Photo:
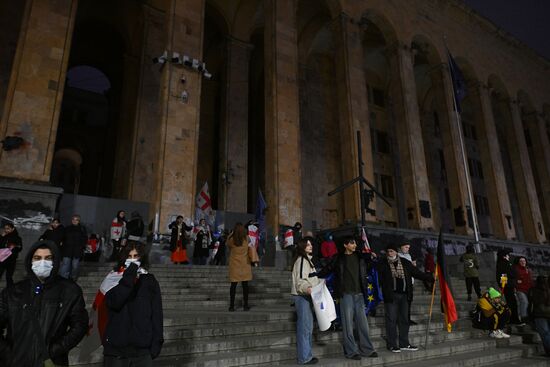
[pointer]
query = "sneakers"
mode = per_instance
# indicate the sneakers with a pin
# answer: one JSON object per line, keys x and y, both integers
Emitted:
{"x": 356, "y": 357}
{"x": 395, "y": 350}
{"x": 497, "y": 334}
{"x": 410, "y": 347}
{"x": 373, "y": 354}
{"x": 503, "y": 334}
{"x": 313, "y": 360}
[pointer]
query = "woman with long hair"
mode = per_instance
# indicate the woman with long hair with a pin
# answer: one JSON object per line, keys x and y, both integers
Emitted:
{"x": 133, "y": 331}
{"x": 302, "y": 283}
{"x": 240, "y": 269}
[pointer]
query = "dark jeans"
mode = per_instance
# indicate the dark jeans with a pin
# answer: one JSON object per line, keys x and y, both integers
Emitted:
{"x": 397, "y": 316}
{"x": 200, "y": 260}
{"x": 543, "y": 328}
{"x": 140, "y": 361}
{"x": 475, "y": 282}
{"x": 9, "y": 267}
{"x": 233, "y": 290}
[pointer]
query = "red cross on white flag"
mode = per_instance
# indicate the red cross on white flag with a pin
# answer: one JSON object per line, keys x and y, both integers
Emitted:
{"x": 203, "y": 201}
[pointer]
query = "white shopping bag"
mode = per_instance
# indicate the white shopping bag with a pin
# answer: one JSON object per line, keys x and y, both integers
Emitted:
{"x": 323, "y": 305}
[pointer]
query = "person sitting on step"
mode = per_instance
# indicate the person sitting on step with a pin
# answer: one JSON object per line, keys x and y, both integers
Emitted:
{"x": 492, "y": 314}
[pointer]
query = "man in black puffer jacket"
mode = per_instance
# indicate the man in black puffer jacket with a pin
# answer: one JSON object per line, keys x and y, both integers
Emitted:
{"x": 44, "y": 315}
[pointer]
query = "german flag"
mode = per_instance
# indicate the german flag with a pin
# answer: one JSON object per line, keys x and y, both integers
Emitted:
{"x": 447, "y": 301}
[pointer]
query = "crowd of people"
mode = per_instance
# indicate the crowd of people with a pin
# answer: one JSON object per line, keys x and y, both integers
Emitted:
{"x": 44, "y": 316}
{"x": 512, "y": 300}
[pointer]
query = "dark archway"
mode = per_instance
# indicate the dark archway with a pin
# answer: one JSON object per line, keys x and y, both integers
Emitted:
{"x": 99, "y": 99}
{"x": 89, "y": 112}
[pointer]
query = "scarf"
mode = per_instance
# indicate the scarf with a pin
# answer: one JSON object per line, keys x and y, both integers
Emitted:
{"x": 396, "y": 271}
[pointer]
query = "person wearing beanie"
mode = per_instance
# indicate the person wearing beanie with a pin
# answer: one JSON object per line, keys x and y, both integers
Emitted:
{"x": 395, "y": 275}
{"x": 471, "y": 273}
{"x": 492, "y": 314}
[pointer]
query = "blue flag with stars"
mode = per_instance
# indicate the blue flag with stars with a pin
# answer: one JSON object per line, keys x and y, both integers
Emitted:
{"x": 372, "y": 293}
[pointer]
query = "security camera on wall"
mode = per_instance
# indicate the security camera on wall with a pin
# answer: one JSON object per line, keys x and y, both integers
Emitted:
{"x": 187, "y": 61}
{"x": 161, "y": 59}
{"x": 176, "y": 58}
{"x": 195, "y": 65}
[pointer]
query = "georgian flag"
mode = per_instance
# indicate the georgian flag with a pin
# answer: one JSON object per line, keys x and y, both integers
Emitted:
{"x": 203, "y": 203}
{"x": 98, "y": 316}
{"x": 366, "y": 244}
{"x": 289, "y": 238}
{"x": 253, "y": 236}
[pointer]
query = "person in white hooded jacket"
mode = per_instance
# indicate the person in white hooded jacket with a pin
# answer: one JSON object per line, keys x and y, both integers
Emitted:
{"x": 302, "y": 284}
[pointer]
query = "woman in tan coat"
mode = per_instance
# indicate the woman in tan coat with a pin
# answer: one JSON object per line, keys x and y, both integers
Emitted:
{"x": 240, "y": 269}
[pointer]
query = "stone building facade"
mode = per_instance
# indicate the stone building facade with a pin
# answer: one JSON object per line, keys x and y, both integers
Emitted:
{"x": 292, "y": 82}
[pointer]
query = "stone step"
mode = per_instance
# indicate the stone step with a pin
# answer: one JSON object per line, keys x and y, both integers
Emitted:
{"x": 325, "y": 344}
{"x": 509, "y": 356}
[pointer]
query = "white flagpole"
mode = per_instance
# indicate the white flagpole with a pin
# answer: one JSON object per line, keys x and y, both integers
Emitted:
{"x": 464, "y": 160}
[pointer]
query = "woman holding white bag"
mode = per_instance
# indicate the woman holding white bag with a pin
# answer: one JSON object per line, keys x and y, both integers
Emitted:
{"x": 302, "y": 284}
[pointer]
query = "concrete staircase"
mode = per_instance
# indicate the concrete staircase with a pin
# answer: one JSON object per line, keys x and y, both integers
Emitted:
{"x": 200, "y": 331}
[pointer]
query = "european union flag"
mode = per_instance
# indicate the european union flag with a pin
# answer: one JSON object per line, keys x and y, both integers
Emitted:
{"x": 459, "y": 83}
{"x": 260, "y": 212}
{"x": 373, "y": 293}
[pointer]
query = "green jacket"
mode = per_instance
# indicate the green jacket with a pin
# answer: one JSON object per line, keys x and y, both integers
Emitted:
{"x": 470, "y": 265}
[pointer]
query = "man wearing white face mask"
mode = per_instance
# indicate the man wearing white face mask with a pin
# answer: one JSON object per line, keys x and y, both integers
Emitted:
{"x": 44, "y": 315}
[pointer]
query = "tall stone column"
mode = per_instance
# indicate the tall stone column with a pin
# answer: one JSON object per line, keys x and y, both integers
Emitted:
{"x": 541, "y": 150}
{"x": 353, "y": 111}
{"x": 414, "y": 173}
{"x": 523, "y": 176}
{"x": 35, "y": 90}
{"x": 179, "y": 122}
{"x": 234, "y": 156}
{"x": 282, "y": 124}
{"x": 144, "y": 162}
{"x": 498, "y": 197}
{"x": 451, "y": 134}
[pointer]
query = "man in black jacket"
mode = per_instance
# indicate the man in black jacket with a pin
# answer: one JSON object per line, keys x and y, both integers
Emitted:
{"x": 55, "y": 233}
{"x": 10, "y": 239}
{"x": 395, "y": 274}
{"x": 44, "y": 315}
{"x": 351, "y": 269}
{"x": 73, "y": 247}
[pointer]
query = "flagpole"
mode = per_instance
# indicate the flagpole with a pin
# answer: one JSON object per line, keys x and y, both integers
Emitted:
{"x": 464, "y": 160}
{"x": 431, "y": 309}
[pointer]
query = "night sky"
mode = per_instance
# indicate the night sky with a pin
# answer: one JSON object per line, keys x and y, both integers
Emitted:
{"x": 526, "y": 20}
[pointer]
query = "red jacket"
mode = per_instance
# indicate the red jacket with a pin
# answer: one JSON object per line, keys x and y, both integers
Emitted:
{"x": 328, "y": 249}
{"x": 429, "y": 264}
{"x": 524, "y": 278}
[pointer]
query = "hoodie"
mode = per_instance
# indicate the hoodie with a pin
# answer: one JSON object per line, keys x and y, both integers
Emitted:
{"x": 44, "y": 320}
